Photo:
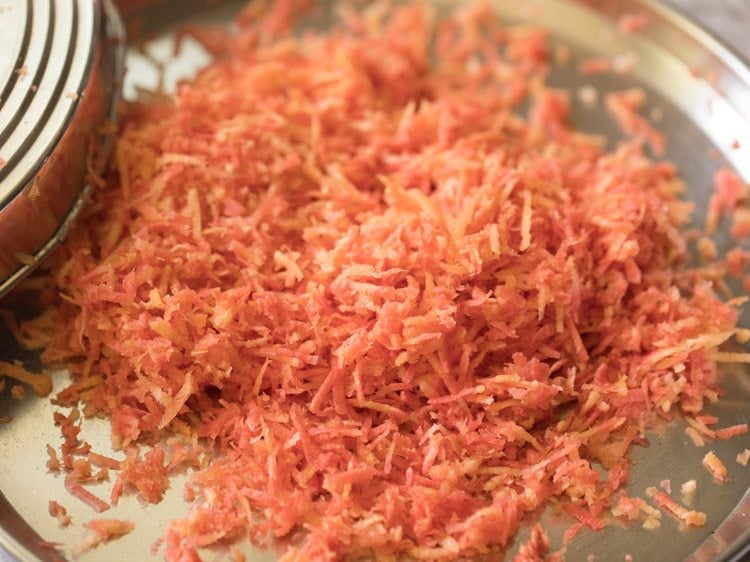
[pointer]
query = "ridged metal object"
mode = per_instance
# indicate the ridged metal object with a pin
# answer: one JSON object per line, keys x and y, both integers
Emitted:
{"x": 61, "y": 65}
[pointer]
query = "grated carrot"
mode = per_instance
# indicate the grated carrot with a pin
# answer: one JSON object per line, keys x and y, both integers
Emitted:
{"x": 78, "y": 491}
{"x": 59, "y": 512}
{"x": 688, "y": 489}
{"x": 743, "y": 457}
{"x": 102, "y": 531}
{"x": 715, "y": 467}
{"x": 689, "y": 517}
{"x": 395, "y": 314}
{"x": 40, "y": 383}
{"x": 624, "y": 108}
{"x": 729, "y": 191}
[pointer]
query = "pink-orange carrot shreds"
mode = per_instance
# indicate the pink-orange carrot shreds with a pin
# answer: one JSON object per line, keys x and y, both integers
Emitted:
{"x": 348, "y": 264}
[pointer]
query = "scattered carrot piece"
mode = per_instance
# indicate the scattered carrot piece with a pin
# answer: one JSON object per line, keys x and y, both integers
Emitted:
{"x": 728, "y": 192}
{"x": 58, "y": 511}
{"x": 535, "y": 548}
{"x": 78, "y": 491}
{"x": 18, "y": 392}
{"x": 730, "y": 432}
{"x": 743, "y": 457}
{"x": 688, "y": 489}
{"x": 102, "y": 531}
{"x": 689, "y": 517}
{"x": 41, "y": 383}
{"x": 624, "y": 108}
{"x": 718, "y": 470}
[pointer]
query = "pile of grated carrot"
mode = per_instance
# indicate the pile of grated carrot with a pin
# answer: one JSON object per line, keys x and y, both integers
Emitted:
{"x": 401, "y": 314}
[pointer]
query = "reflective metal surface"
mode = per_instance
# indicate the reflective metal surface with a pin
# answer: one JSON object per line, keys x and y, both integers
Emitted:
{"x": 699, "y": 92}
{"x": 60, "y": 67}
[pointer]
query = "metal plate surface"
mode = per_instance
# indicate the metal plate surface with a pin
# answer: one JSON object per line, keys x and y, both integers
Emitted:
{"x": 699, "y": 92}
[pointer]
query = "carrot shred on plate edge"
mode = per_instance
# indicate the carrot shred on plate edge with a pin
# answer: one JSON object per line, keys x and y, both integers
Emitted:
{"x": 348, "y": 265}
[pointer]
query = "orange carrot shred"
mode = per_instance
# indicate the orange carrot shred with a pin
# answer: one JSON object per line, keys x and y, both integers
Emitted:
{"x": 396, "y": 311}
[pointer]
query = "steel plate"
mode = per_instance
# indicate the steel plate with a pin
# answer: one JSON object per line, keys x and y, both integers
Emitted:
{"x": 699, "y": 93}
